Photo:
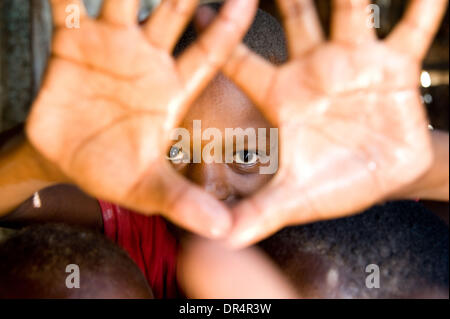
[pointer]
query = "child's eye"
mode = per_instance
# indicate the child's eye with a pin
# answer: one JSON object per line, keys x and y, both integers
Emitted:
{"x": 176, "y": 154}
{"x": 246, "y": 157}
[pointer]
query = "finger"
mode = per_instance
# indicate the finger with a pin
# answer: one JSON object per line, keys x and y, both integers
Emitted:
{"x": 415, "y": 33}
{"x": 351, "y": 22}
{"x": 62, "y": 10}
{"x": 182, "y": 202}
{"x": 249, "y": 71}
{"x": 302, "y": 25}
{"x": 168, "y": 21}
{"x": 192, "y": 208}
{"x": 267, "y": 212}
{"x": 255, "y": 76}
{"x": 120, "y": 12}
{"x": 207, "y": 269}
{"x": 202, "y": 60}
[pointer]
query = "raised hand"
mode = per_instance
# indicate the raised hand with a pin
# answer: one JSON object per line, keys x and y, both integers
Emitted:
{"x": 352, "y": 126}
{"x": 112, "y": 94}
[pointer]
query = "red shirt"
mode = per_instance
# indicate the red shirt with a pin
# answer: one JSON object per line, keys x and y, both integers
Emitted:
{"x": 148, "y": 242}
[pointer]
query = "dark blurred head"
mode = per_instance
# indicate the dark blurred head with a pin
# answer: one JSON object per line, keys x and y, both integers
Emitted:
{"x": 330, "y": 259}
{"x": 42, "y": 261}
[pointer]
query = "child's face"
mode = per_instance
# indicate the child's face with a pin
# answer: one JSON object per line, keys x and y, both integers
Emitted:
{"x": 223, "y": 106}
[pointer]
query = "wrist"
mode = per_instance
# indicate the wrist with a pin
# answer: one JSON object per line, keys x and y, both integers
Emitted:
{"x": 23, "y": 171}
{"x": 434, "y": 183}
{"x": 48, "y": 171}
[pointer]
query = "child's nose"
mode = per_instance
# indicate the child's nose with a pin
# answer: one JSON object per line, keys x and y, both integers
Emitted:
{"x": 218, "y": 189}
{"x": 212, "y": 178}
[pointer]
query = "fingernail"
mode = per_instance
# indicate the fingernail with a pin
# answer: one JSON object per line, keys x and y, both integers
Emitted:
{"x": 242, "y": 238}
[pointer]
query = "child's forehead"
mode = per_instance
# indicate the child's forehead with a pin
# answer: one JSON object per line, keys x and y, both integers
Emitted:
{"x": 223, "y": 105}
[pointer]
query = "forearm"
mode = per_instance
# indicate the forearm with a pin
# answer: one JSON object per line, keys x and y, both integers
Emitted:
{"x": 56, "y": 204}
{"x": 23, "y": 171}
{"x": 433, "y": 185}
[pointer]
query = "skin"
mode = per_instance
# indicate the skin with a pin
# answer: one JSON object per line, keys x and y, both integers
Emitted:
{"x": 99, "y": 287}
{"x": 208, "y": 269}
{"x": 222, "y": 106}
{"x": 113, "y": 92}
{"x": 341, "y": 141}
{"x": 333, "y": 121}
{"x": 23, "y": 171}
{"x": 203, "y": 264}
{"x": 432, "y": 185}
{"x": 351, "y": 106}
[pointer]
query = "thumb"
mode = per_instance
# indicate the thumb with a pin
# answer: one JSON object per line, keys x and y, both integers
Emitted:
{"x": 194, "y": 209}
{"x": 268, "y": 211}
{"x": 182, "y": 202}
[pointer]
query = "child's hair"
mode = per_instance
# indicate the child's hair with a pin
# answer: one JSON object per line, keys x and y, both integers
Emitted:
{"x": 265, "y": 37}
{"x": 408, "y": 243}
{"x": 34, "y": 261}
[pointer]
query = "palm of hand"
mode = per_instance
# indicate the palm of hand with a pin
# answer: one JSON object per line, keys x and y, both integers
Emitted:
{"x": 350, "y": 125}
{"x": 112, "y": 95}
{"x": 108, "y": 128}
